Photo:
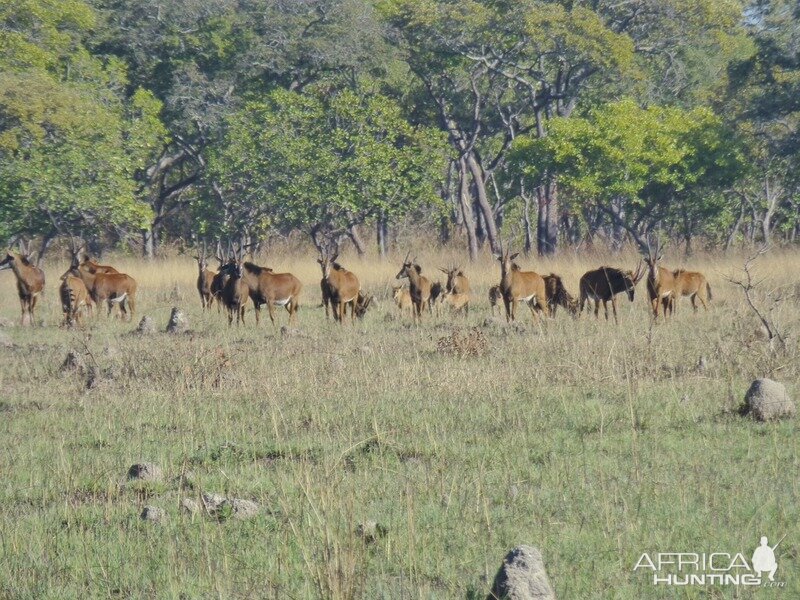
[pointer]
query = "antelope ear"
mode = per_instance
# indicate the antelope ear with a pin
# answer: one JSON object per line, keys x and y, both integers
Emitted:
{"x": 660, "y": 256}
{"x": 334, "y": 257}
{"x": 418, "y": 268}
{"x": 513, "y": 256}
{"x": 319, "y": 260}
{"x": 498, "y": 257}
{"x": 460, "y": 273}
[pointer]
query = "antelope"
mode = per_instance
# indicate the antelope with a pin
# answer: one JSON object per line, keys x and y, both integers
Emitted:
{"x": 693, "y": 284}
{"x": 205, "y": 280}
{"x": 557, "y": 295}
{"x": 111, "y": 287}
{"x": 74, "y": 298}
{"x": 362, "y": 304}
{"x": 604, "y": 284}
{"x": 30, "y": 280}
{"x": 235, "y": 291}
{"x": 517, "y": 285}
{"x": 660, "y": 283}
{"x": 402, "y": 298}
{"x": 341, "y": 287}
{"x": 436, "y": 298}
{"x": 495, "y": 295}
{"x": 268, "y": 287}
{"x": 220, "y": 279}
{"x": 457, "y": 302}
{"x": 93, "y": 266}
{"x": 457, "y": 287}
{"x": 419, "y": 285}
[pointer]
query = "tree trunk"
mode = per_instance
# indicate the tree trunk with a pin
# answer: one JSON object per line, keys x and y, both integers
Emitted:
{"x": 526, "y": 221}
{"x": 382, "y": 230}
{"x": 357, "y": 241}
{"x": 466, "y": 211}
{"x": 148, "y": 243}
{"x": 483, "y": 201}
{"x": 547, "y": 221}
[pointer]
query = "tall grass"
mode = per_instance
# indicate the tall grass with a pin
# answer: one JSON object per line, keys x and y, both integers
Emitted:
{"x": 592, "y": 441}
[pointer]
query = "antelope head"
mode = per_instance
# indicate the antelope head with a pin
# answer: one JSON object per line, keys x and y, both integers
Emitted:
{"x": 8, "y": 261}
{"x": 408, "y": 265}
{"x": 632, "y": 278}
{"x": 326, "y": 262}
{"x": 507, "y": 261}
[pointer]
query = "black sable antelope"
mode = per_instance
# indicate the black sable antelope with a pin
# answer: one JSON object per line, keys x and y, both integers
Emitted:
{"x": 603, "y": 284}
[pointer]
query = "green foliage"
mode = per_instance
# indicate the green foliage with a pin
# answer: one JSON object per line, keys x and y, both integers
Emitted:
{"x": 69, "y": 146}
{"x": 316, "y": 161}
{"x": 657, "y": 160}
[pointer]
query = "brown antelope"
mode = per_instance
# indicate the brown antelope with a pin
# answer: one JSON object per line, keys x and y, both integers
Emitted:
{"x": 660, "y": 283}
{"x": 205, "y": 279}
{"x": 340, "y": 286}
{"x": 693, "y": 284}
{"x": 74, "y": 299}
{"x": 235, "y": 292}
{"x": 520, "y": 286}
{"x": 419, "y": 285}
{"x": 457, "y": 287}
{"x": 603, "y": 285}
{"x": 495, "y": 296}
{"x": 457, "y": 302}
{"x": 30, "y": 280}
{"x": 268, "y": 287}
{"x": 557, "y": 295}
{"x": 94, "y": 267}
{"x": 402, "y": 298}
{"x": 105, "y": 286}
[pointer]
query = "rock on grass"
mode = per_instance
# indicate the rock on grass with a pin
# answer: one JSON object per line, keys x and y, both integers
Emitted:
{"x": 522, "y": 577}
{"x": 145, "y": 472}
{"x": 767, "y": 400}
{"x": 153, "y": 514}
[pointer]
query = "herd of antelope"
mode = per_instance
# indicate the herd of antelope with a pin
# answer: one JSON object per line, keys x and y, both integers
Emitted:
{"x": 237, "y": 283}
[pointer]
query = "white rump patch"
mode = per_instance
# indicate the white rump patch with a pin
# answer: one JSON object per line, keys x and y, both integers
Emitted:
{"x": 282, "y": 302}
{"x": 119, "y": 298}
{"x": 528, "y": 298}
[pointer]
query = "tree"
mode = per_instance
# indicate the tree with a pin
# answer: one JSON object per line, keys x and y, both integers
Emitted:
{"x": 638, "y": 166}
{"x": 325, "y": 163}
{"x": 67, "y": 155}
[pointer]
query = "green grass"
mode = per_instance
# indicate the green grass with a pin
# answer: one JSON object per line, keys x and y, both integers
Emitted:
{"x": 593, "y": 442}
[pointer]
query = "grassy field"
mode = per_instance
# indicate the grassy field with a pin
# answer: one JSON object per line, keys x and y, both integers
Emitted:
{"x": 593, "y": 442}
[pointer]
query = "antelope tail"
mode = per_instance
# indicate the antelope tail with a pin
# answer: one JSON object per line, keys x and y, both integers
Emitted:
{"x": 708, "y": 289}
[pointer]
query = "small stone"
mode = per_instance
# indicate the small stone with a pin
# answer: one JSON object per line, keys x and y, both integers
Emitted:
{"x": 492, "y": 322}
{"x": 153, "y": 514}
{"x": 767, "y": 400}
{"x": 189, "y": 506}
{"x": 211, "y": 502}
{"x": 522, "y": 577}
{"x": 371, "y": 531}
{"x": 146, "y": 326}
{"x": 241, "y": 508}
{"x": 702, "y": 364}
{"x": 291, "y": 332}
{"x": 145, "y": 472}
{"x": 178, "y": 323}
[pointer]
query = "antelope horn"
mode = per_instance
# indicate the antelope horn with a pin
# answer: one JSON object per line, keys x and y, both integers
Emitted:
{"x": 405, "y": 260}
